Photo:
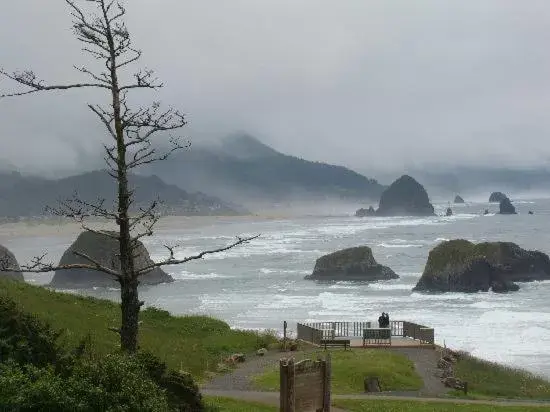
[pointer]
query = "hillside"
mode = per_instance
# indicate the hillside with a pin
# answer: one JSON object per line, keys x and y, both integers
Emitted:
{"x": 241, "y": 168}
{"x": 29, "y": 196}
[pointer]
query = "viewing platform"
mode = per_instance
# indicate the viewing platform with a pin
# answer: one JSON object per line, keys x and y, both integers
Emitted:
{"x": 400, "y": 333}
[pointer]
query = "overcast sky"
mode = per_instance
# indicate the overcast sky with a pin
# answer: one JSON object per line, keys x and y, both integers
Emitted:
{"x": 370, "y": 84}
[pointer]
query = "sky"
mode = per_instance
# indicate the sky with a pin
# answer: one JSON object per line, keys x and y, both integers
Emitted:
{"x": 374, "y": 85}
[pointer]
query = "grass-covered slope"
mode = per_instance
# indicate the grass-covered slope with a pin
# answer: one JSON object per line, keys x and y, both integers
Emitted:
{"x": 492, "y": 380}
{"x": 350, "y": 367}
{"x": 191, "y": 343}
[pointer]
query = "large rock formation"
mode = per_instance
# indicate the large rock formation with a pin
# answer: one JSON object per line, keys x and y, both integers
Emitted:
{"x": 103, "y": 249}
{"x": 506, "y": 207}
{"x": 497, "y": 197}
{"x": 356, "y": 263}
{"x": 405, "y": 197}
{"x": 8, "y": 261}
{"x": 458, "y": 199}
{"x": 462, "y": 266}
{"x": 365, "y": 212}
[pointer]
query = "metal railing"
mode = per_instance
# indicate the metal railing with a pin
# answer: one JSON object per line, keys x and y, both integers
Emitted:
{"x": 314, "y": 332}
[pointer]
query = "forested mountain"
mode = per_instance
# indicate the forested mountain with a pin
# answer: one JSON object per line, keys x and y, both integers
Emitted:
{"x": 29, "y": 196}
{"x": 241, "y": 168}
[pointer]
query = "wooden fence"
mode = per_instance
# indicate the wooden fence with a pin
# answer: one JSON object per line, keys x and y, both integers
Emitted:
{"x": 419, "y": 332}
{"x": 309, "y": 334}
{"x": 305, "y": 385}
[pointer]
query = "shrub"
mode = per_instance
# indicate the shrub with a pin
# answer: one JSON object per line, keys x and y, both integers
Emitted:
{"x": 183, "y": 393}
{"x": 24, "y": 338}
{"x": 112, "y": 383}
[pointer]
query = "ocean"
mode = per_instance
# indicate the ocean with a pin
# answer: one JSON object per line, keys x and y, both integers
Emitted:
{"x": 259, "y": 285}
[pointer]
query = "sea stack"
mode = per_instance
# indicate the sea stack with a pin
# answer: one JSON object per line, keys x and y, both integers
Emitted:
{"x": 506, "y": 207}
{"x": 8, "y": 261}
{"x": 405, "y": 197}
{"x": 104, "y": 249}
{"x": 458, "y": 199}
{"x": 352, "y": 264}
{"x": 462, "y": 266}
{"x": 365, "y": 212}
{"x": 497, "y": 197}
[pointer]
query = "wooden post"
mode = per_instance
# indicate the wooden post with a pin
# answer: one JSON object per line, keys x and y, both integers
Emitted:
{"x": 284, "y": 335}
{"x": 465, "y": 388}
{"x": 286, "y": 393}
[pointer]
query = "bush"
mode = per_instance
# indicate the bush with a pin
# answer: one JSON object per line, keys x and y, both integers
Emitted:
{"x": 24, "y": 338}
{"x": 183, "y": 393}
{"x": 113, "y": 383}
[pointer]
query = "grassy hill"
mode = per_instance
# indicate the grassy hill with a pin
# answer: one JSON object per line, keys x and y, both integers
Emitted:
{"x": 194, "y": 344}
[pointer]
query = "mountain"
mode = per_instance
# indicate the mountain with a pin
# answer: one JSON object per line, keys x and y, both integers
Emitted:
{"x": 242, "y": 169}
{"x": 29, "y": 196}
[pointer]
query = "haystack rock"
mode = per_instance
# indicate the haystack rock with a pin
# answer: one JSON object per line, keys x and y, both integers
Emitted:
{"x": 365, "y": 212}
{"x": 8, "y": 261}
{"x": 405, "y": 197}
{"x": 103, "y": 249}
{"x": 506, "y": 207}
{"x": 353, "y": 264}
{"x": 458, "y": 199}
{"x": 497, "y": 197}
{"x": 462, "y": 266}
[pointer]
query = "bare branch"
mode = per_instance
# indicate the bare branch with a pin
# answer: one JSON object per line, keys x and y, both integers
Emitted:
{"x": 171, "y": 260}
{"x": 29, "y": 79}
{"x": 38, "y": 265}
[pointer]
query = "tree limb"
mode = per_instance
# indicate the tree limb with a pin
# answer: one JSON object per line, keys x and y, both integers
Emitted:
{"x": 173, "y": 261}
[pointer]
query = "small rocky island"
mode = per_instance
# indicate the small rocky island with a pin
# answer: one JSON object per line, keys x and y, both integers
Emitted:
{"x": 506, "y": 207}
{"x": 352, "y": 264}
{"x": 462, "y": 266}
{"x": 365, "y": 212}
{"x": 458, "y": 199}
{"x": 104, "y": 249}
{"x": 8, "y": 261}
{"x": 404, "y": 197}
{"x": 497, "y": 197}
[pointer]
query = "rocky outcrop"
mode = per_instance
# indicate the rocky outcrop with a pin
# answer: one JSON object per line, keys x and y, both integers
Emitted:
{"x": 353, "y": 264}
{"x": 449, "y": 212}
{"x": 458, "y": 199}
{"x": 8, "y": 261}
{"x": 506, "y": 207}
{"x": 497, "y": 197}
{"x": 462, "y": 266}
{"x": 365, "y": 212}
{"x": 103, "y": 249}
{"x": 405, "y": 197}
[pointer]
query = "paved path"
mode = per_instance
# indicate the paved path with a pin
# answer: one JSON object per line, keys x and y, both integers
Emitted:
{"x": 272, "y": 398}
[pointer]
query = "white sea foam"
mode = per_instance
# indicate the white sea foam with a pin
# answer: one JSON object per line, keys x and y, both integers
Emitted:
{"x": 185, "y": 275}
{"x": 403, "y": 245}
{"x": 390, "y": 286}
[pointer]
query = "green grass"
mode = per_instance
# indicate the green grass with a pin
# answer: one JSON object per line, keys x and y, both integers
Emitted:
{"x": 191, "y": 343}
{"x": 350, "y": 367}
{"x": 234, "y": 405}
{"x": 419, "y": 406}
{"x": 491, "y": 380}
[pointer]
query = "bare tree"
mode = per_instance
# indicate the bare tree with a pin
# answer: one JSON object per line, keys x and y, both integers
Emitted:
{"x": 105, "y": 37}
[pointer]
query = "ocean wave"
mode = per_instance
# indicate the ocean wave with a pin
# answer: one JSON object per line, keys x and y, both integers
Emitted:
{"x": 404, "y": 245}
{"x": 267, "y": 271}
{"x": 390, "y": 286}
{"x": 184, "y": 275}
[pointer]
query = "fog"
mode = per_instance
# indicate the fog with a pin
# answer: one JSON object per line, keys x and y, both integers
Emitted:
{"x": 375, "y": 85}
